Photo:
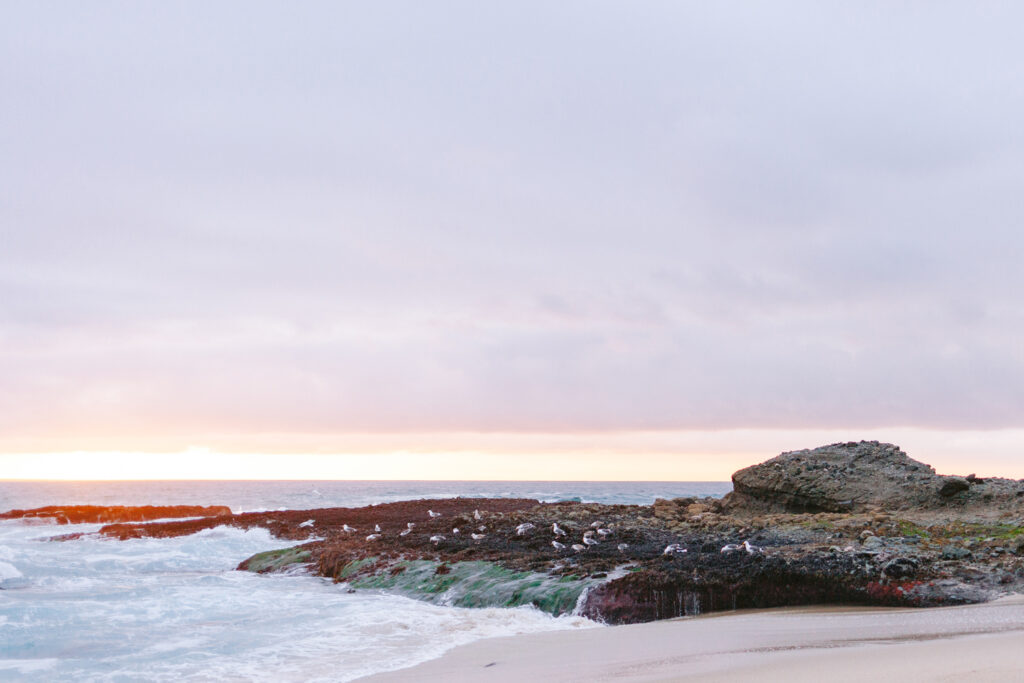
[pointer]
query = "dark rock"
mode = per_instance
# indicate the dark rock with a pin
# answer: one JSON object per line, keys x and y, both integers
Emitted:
{"x": 952, "y": 486}
{"x": 955, "y": 552}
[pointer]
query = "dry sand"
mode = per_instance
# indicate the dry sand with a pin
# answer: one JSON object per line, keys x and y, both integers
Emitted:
{"x": 973, "y": 643}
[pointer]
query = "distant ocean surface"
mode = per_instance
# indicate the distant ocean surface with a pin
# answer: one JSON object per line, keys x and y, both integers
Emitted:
{"x": 175, "y": 609}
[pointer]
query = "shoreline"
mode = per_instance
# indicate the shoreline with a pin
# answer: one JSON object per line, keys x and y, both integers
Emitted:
{"x": 788, "y": 644}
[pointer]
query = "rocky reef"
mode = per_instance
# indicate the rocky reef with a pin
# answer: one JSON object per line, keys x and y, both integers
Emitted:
{"x": 853, "y": 523}
{"x": 99, "y": 514}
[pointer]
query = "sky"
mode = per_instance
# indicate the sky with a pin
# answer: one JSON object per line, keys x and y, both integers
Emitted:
{"x": 523, "y": 240}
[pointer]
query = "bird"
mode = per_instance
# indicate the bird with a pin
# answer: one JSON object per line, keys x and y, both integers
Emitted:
{"x": 730, "y": 548}
{"x": 578, "y": 548}
{"x": 482, "y": 527}
{"x": 406, "y": 532}
{"x": 622, "y": 547}
{"x": 477, "y": 537}
{"x": 376, "y": 527}
{"x": 347, "y": 529}
{"x": 410, "y": 524}
{"x": 557, "y": 546}
{"x": 433, "y": 514}
{"x": 604, "y": 532}
{"x": 596, "y": 525}
{"x": 308, "y": 522}
{"x": 523, "y": 528}
{"x": 588, "y": 533}
{"x": 455, "y": 531}
{"x": 436, "y": 539}
{"x": 373, "y": 537}
{"x": 587, "y": 540}
{"x": 477, "y": 516}
{"x": 557, "y": 530}
{"x": 673, "y": 548}
{"x": 752, "y": 549}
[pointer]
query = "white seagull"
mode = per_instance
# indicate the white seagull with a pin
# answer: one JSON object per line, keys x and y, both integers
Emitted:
{"x": 376, "y": 527}
{"x": 373, "y": 537}
{"x": 436, "y": 539}
{"x": 557, "y": 546}
{"x": 731, "y": 548}
{"x": 406, "y": 532}
{"x": 596, "y": 525}
{"x": 587, "y": 540}
{"x": 752, "y": 549}
{"x": 433, "y": 514}
{"x": 523, "y": 528}
{"x": 477, "y": 516}
{"x": 673, "y": 548}
{"x": 604, "y": 532}
{"x": 308, "y": 522}
{"x": 578, "y": 548}
{"x": 477, "y": 537}
{"x": 347, "y": 529}
{"x": 455, "y": 531}
{"x": 622, "y": 547}
{"x": 557, "y": 530}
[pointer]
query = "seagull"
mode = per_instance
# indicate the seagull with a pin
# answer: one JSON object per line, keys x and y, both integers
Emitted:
{"x": 622, "y": 547}
{"x": 673, "y": 548}
{"x": 410, "y": 524}
{"x": 436, "y": 539}
{"x": 523, "y": 528}
{"x": 373, "y": 537}
{"x": 587, "y": 540}
{"x": 595, "y": 525}
{"x": 557, "y": 530}
{"x": 557, "y": 546}
{"x": 477, "y": 516}
{"x": 433, "y": 514}
{"x": 406, "y": 532}
{"x": 347, "y": 529}
{"x": 482, "y": 527}
{"x": 588, "y": 534}
{"x": 308, "y": 522}
{"x": 477, "y": 537}
{"x": 455, "y": 531}
{"x": 752, "y": 549}
{"x": 604, "y": 532}
{"x": 376, "y": 527}
{"x": 578, "y": 548}
{"x": 731, "y": 548}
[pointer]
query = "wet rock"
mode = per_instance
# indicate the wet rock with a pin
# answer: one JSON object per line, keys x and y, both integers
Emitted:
{"x": 98, "y": 514}
{"x": 955, "y": 552}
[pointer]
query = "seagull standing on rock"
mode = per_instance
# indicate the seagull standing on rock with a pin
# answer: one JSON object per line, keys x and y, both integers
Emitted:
{"x": 578, "y": 548}
{"x": 433, "y": 514}
{"x": 622, "y": 547}
{"x": 752, "y": 549}
{"x": 673, "y": 548}
{"x": 373, "y": 537}
{"x": 590, "y": 540}
{"x": 730, "y": 548}
{"x": 347, "y": 529}
{"x": 477, "y": 516}
{"x": 523, "y": 528}
{"x": 376, "y": 527}
{"x": 557, "y": 546}
{"x": 477, "y": 537}
{"x": 436, "y": 539}
{"x": 604, "y": 532}
{"x": 557, "y": 530}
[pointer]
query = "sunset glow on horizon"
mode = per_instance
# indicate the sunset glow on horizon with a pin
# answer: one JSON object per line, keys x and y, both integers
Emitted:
{"x": 651, "y": 456}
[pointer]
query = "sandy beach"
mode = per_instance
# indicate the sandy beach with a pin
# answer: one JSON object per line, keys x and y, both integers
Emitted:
{"x": 976, "y": 643}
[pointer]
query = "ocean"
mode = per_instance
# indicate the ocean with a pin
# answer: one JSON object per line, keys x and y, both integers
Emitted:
{"x": 175, "y": 608}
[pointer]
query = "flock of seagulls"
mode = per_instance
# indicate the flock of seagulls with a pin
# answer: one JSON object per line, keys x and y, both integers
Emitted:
{"x": 597, "y": 530}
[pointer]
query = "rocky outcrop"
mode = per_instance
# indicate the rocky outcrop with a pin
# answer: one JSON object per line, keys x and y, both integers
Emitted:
{"x": 858, "y": 523}
{"x": 98, "y": 514}
{"x": 859, "y": 476}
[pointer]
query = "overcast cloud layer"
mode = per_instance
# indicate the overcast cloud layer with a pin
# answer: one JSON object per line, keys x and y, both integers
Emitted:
{"x": 332, "y": 217}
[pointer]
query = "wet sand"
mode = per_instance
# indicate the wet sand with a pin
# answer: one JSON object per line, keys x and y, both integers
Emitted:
{"x": 976, "y": 643}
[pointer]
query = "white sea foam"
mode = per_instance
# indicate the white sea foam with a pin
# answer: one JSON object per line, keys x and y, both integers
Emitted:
{"x": 175, "y": 609}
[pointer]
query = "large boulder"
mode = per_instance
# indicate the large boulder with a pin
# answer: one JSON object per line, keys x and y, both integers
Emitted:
{"x": 842, "y": 477}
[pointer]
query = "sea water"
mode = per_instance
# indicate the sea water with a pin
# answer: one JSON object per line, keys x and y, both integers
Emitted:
{"x": 176, "y": 609}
